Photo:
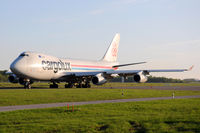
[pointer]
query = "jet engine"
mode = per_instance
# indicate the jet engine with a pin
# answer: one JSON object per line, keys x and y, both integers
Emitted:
{"x": 99, "y": 79}
{"x": 13, "y": 78}
{"x": 21, "y": 81}
{"x": 140, "y": 78}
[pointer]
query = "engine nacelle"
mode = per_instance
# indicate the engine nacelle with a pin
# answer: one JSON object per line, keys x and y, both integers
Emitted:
{"x": 21, "y": 81}
{"x": 13, "y": 78}
{"x": 140, "y": 78}
{"x": 99, "y": 79}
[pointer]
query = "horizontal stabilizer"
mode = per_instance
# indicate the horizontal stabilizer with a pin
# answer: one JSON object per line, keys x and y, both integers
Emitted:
{"x": 128, "y": 64}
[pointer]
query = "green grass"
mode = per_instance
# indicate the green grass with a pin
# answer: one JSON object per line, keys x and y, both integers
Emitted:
{"x": 37, "y": 96}
{"x": 176, "y": 115}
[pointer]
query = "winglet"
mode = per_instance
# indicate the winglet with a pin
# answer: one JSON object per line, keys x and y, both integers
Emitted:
{"x": 191, "y": 68}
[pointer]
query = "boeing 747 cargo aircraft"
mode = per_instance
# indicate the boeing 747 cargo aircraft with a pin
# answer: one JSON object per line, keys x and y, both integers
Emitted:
{"x": 31, "y": 66}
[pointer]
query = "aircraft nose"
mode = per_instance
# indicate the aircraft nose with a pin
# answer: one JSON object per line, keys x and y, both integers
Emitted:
{"x": 17, "y": 67}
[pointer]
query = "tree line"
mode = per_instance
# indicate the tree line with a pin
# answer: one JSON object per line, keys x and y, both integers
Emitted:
{"x": 3, "y": 76}
{"x": 152, "y": 79}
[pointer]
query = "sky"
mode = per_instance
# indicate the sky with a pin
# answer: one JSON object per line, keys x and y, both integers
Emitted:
{"x": 164, "y": 33}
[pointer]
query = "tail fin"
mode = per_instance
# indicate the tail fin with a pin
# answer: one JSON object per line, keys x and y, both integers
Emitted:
{"x": 112, "y": 51}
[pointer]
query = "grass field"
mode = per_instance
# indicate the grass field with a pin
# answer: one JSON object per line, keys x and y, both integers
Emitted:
{"x": 176, "y": 115}
{"x": 22, "y": 96}
{"x": 36, "y": 96}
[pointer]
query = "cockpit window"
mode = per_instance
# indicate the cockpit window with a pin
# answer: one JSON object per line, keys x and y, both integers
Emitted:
{"x": 23, "y": 54}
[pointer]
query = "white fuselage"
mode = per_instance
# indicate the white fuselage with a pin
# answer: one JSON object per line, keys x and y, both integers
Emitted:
{"x": 39, "y": 66}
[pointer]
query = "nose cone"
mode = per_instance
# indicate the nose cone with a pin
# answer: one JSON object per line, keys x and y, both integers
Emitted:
{"x": 18, "y": 67}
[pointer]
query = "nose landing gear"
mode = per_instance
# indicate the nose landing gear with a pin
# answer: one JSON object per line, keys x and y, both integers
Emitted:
{"x": 27, "y": 85}
{"x": 26, "y": 82}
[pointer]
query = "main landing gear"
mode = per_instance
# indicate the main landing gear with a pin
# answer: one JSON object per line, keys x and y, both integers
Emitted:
{"x": 71, "y": 85}
{"x": 78, "y": 85}
{"x": 26, "y": 82}
{"x": 83, "y": 85}
{"x": 54, "y": 85}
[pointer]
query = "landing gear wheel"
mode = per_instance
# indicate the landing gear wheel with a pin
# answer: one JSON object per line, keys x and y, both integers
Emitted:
{"x": 80, "y": 85}
{"x": 54, "y": 85}
{"x": 87, "y": 85}
{"x": 27, "y": 85}
{"x": 69, "y": 85}
{"x": 84, "y": 85}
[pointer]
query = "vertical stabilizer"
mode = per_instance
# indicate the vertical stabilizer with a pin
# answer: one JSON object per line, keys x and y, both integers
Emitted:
{"x": 112, "y": 51}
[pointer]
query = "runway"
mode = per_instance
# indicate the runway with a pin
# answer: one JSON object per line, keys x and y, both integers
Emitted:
{"x": 189, "y": 88}
{"x": 51, "y": 105}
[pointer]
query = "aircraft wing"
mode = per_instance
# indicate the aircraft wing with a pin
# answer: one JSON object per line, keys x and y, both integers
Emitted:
{"x": 145, "y": 72}
{"x": 125, "y": 72}
{"x": 81, "y": 74}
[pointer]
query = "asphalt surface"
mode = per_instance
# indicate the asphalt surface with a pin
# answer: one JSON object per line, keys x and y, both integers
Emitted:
{"x": 191, "y": 88}
{"x": 51, "y": 105}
